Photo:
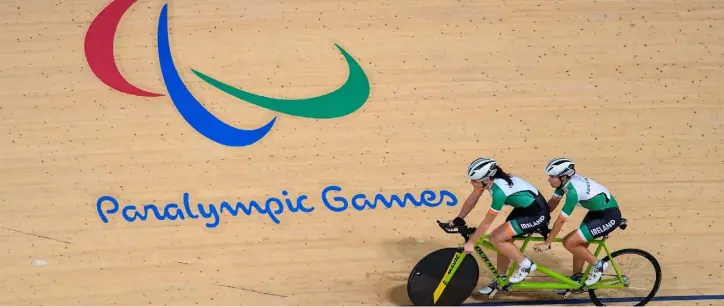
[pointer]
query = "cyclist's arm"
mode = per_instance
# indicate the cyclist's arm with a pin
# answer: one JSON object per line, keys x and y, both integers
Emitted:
{"x": 571, "y": 201}
{"x": 470, "y": 202}
{"x": 555, "y": 199}
{"x": 555, "y": 230}
{"x": 553, "y": 203}
{"x": 483, "y": 227}
{"x": 495, "y": 207}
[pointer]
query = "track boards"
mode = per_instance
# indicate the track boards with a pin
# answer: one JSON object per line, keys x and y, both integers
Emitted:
{"x": 427, "y": 275}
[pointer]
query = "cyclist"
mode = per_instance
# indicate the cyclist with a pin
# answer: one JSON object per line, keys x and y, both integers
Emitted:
{"x": 530, "y": 212}
{"x": 602, "y": 218}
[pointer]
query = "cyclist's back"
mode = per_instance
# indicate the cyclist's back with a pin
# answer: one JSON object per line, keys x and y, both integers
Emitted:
{"x": 586, "y": 192}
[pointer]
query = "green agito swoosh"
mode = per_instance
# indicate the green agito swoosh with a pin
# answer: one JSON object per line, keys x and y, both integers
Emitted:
{"x": 345, "y": 100}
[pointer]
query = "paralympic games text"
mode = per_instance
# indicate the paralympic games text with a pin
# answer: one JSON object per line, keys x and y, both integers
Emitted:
{"x": 272, "y": 207}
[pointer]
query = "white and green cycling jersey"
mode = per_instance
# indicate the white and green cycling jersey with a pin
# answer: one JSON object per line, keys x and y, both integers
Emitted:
{"x": 520, "y": 195}
{"x": 589, "y": 193}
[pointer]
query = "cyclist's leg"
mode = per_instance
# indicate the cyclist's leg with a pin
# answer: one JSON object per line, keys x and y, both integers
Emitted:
{"x": 502, "y": 237}
{"x": 503, "y": 261}
{"x": 603, "y": 223}
{"x": 575, "y": 244}
{"x": 578, "y": 262}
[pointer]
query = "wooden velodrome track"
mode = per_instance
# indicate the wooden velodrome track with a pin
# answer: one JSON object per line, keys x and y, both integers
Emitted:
{"x": 632, "y": 90}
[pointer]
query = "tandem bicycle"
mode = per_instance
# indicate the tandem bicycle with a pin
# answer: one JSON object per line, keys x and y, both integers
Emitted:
{"x": 448, "y": 276}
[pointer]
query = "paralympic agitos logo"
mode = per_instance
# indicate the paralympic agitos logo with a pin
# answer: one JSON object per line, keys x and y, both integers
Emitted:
{"x": 99, "y": 53}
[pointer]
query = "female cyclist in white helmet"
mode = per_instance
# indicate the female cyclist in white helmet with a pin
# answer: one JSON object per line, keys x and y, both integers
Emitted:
{"x": 530, "y": 212}
{"x": 602, "y": 218}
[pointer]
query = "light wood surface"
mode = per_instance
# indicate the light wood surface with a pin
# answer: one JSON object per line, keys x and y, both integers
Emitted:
{"x": 632, "y": 90}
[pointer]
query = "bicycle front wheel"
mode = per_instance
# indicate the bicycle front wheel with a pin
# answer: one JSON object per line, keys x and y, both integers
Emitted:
{"x": 428, "y": 273}
{"x": 641, "y": 274}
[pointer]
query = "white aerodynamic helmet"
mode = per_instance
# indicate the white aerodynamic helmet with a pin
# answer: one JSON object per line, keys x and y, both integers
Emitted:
{"x": 561, "y": 167}
{"x": 482, "y": 168}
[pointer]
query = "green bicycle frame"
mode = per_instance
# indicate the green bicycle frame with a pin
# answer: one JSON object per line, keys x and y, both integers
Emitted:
{"x": 564, "y": 282}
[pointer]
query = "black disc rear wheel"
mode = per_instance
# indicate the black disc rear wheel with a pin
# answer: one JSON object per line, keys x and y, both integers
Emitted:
{"x": 427, "y": 274}
{"x": 642, "y": 276}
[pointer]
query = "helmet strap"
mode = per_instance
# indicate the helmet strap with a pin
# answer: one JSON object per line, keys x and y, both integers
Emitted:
{"x": 563, "y": 183}
{"x": 485, "y": 186}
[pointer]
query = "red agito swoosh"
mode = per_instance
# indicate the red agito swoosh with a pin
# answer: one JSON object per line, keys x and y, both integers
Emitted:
{"x": 99, "y": 42}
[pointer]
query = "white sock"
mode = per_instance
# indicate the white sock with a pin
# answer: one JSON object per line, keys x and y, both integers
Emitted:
{"x": 525, "y": 263}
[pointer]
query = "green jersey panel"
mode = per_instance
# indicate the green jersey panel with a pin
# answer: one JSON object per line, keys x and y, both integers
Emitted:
{"x": 520, "y": 195}
{"x": 586, "y": 192}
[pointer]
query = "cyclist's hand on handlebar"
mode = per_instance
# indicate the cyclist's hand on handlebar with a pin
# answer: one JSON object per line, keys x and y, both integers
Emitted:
{"x": 458, "y": 221}
{"x": 542, "y": 247}
{"x": 468, "y": 247}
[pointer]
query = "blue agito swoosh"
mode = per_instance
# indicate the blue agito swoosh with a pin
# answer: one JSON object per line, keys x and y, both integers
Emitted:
{"x": 190, "y": 108}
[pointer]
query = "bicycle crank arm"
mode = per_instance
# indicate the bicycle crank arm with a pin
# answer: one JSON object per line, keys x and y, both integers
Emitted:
{"x": 493, "y": 293}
